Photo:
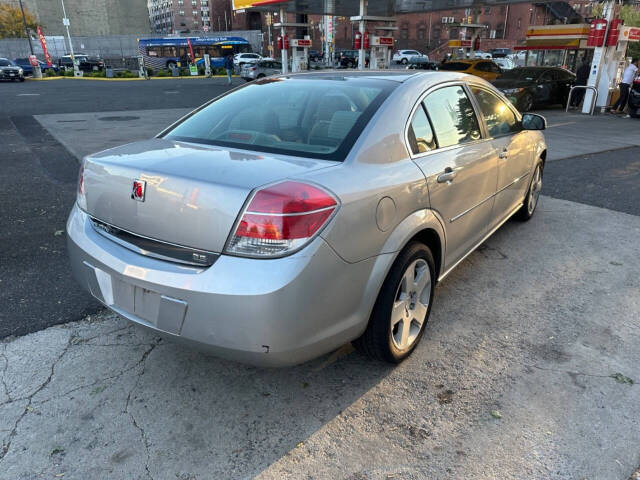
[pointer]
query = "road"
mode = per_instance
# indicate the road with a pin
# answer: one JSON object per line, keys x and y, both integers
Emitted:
{"x": 37, "y": 188}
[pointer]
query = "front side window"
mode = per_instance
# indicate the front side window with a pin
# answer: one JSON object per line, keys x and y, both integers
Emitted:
{"x": 452, "y": 116}
{"x": 317, "y": 118}
{"x": 420, "y": 134}
{"x": 499, "y": 117}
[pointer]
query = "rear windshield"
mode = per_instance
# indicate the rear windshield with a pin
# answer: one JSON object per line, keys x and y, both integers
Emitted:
{"x": 312, "y": 117}
{"x": 454, "y": 66}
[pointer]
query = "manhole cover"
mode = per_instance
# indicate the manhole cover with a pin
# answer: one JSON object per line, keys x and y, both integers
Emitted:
{"x": 118, "y": 118}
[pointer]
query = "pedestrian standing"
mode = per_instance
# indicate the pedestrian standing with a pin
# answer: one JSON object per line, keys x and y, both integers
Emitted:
{"x": 582, "y": 76}
{"x": 627, "y": 80}
{"x": 228, "y": 64}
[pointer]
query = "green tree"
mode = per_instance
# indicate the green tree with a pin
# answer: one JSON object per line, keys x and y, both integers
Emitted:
{"x": 11, "y": 24}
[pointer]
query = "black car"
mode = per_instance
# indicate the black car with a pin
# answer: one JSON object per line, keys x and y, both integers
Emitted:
{"x": 527, "y": 87}
{"x": 421, "y": 63}
{"x": 85, "y": 63}
{"x": 500, "y": 52}
{"x": 10, "y": 71}
{"x": 349, "y": 58}
{"x": 315, "y": 55}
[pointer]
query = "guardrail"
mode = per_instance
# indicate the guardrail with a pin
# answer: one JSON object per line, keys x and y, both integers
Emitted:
{"x": 594, "y": 99}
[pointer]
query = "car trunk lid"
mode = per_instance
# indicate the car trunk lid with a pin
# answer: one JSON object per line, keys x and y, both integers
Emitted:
{"x": 192, "y": 193}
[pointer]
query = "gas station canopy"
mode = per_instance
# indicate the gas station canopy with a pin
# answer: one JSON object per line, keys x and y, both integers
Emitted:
{"x": 346, "y": 8}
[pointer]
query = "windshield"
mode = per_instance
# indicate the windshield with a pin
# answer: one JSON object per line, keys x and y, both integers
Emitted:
{"x": 312, "y": 117}
{"x": 5, "y": 63}
{"x": 528, "y": 74}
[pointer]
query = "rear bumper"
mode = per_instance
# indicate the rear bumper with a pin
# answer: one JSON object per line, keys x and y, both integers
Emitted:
{"x": 265, "y": 312}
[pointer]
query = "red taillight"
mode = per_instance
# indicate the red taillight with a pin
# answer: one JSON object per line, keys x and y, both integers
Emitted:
{"x": 253, "y": 69}
{"x": 281, "y": 219}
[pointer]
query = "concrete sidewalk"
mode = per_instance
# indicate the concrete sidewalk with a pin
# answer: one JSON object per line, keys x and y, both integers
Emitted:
{"x": 568, "y": 135}
{"x": 525, "y": 371}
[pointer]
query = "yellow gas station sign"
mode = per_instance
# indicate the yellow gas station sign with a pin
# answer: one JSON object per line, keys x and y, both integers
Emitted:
{"x": 242, "y": 4}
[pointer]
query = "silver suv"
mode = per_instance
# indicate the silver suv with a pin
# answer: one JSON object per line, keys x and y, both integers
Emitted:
{"x": 10, "y": 71}
{"x": 260, "y": 69}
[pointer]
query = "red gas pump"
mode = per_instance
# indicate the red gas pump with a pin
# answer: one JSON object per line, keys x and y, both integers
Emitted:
{"x": 357, "y": 41}
{"x": 365, "y": 41}
{"x": 285, "y": 42}
{"x": 476, "y": 44}
{"x": 596, "y": 32}
{"x": 279, "y": 42}
{"x": 614, "y": 32}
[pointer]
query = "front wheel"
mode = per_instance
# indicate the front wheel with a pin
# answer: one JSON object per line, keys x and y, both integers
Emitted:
{"x": 171, "y": 65}
{"x": 533, "y": 194}
{"x": 404, "y": 61}
{"x": 22, "y": 79}
{"x": 402, "y": 308}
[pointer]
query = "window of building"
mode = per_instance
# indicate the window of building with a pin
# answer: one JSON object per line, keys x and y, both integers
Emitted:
{"x": 487, "y": 10}
{"x": 454, "y": 34}
{"x": 421, "y": 32}
{"x": 519, "y": 23}
{"x": 181, "y": 12}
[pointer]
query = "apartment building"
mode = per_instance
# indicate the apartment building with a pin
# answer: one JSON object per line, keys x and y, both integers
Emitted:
{"x": 189, "y": 16}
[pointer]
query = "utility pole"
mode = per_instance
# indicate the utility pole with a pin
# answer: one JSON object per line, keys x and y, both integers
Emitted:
{"x": 37, "y": 73}
{"x": 65, "y": 22}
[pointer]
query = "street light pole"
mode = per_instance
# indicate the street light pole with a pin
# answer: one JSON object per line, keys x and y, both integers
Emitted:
{"x": 26, "y": 29}
{"x": 65, "y": 22}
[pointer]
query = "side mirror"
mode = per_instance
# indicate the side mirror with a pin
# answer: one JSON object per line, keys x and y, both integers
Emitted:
{"x": 533, "y": 121}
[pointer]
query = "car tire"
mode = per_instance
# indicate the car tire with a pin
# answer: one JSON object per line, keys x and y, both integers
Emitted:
{"x": 394, "y": 329}
{"x": 22, "y": 79}
{"x": 526, "y": 102}
{"x": 533, "y": 195}
{"x": 171, "y": 65}
{"x": 404, "y": 61}
{"x": 261, "y": 75}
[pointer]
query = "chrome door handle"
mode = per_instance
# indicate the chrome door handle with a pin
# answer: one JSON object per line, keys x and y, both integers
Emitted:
{"x": 447, "y": 176}
{"x": 503, "y": 154}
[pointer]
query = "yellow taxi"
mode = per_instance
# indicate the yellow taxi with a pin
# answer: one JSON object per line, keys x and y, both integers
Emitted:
{"x": 483, "y": 68}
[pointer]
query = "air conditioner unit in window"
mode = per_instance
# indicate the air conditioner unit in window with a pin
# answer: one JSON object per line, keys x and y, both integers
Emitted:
{"x": 492, "y": 34}
{"x": 445, "y": 19}
{"x": 452, "y": 20}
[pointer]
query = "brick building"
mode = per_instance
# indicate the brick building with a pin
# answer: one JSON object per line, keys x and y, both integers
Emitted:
{"x": 189, "y": 16}
{"x": 506, "y": 25}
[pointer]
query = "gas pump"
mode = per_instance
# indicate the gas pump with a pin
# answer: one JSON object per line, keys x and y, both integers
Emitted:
{"x": 300, "y": 54}
{"x": 380, "y": 52}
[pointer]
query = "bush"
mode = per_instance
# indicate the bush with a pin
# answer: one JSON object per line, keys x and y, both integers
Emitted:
{"x": 68, "y": 73}
{"x": 200, "y": 70}
{"x": 184, "y": 72}
{"x": 149, "y": 72}
{"x": 163, "y": 73}
{"x": 125, "y": 74}
{"x": 51, "y": 73}
{"x": 220, "y": 71}
{"x": 96, "y": 74}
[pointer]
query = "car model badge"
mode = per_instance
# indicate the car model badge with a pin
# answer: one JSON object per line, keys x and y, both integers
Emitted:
{"x": 138, "y": 189}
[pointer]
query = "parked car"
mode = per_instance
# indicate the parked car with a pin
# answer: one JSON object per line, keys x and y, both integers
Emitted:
{"x": 505, "y": 63}
{"x": 527, "y": 87}
{"x": 486, "y": 69}
{"x": 10, "y": 71}
{"x": 242, "y": 58}
{"x": 421, "y": 63}
{"x": 500, "y": 52}
{"x": 286, "y": 218}
{"x": 261, "y": 69}
{"x": 26, "y": 66}
{"x": 350, "y": 58}
{"x": 315, "y": 55}
{"x": 481, "y": 54}
{"x": 404, "y": 56}
{"x": 85, "y": 63}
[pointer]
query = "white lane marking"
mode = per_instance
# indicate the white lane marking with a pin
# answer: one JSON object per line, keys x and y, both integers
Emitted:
{"x": 28, "y": 94}
{"x": 560, "y": 124}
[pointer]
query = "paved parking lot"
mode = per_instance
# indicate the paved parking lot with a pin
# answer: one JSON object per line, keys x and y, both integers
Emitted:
{"x": 525, "y": 370}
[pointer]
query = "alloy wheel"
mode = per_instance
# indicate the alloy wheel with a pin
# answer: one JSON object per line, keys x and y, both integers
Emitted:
{"x": 534, "y": 190}
{"x": 411, "y": 304}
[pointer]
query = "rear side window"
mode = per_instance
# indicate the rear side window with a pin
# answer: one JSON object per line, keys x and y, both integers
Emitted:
{"x": 420, "y": 134}
{"x": 452, "y": 115}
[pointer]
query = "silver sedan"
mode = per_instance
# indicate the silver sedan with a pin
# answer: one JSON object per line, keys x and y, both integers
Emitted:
{"x": 295, "y": 214}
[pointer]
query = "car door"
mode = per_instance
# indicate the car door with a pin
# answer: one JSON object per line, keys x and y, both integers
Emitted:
{"x": 446, "y": 142}
{"x": 544, "y": 88}
{"x": 276, "y": 68}
{"x": 511, "y": 148}
{"x": 563, "y": 83}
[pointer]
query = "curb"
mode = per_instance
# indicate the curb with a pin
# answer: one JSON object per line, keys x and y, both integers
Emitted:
{"x": 135, "y": 79}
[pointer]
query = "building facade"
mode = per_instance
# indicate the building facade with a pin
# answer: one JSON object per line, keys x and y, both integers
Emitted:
{"x": 430, "y": 31}
{"x": 189, "y": 16}
{"x": 98, "y": 17}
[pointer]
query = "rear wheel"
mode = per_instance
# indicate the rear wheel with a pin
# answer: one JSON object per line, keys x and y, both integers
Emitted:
{"x": 404, "y": 61}
{"x": 533, "y": 194}
{"x": 171, "y": 65}
{"x": 402, "y": 308}
{"x": 262, "y": 75}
